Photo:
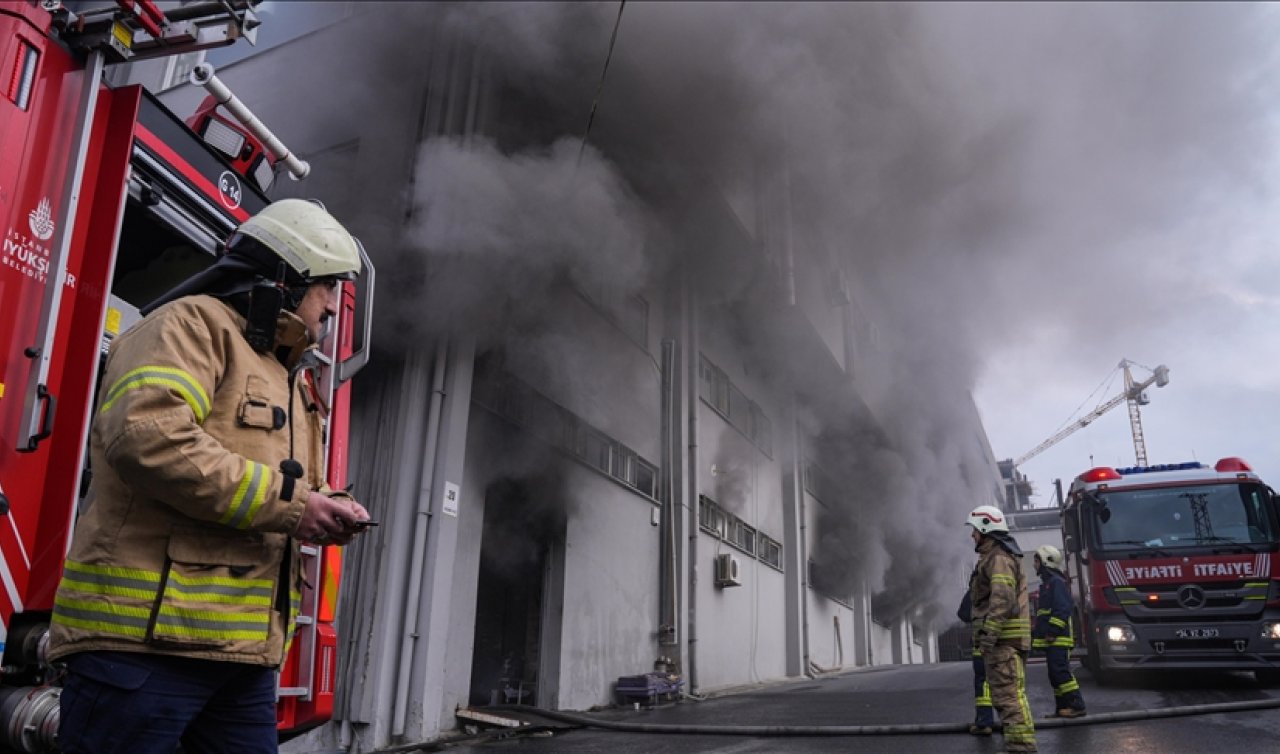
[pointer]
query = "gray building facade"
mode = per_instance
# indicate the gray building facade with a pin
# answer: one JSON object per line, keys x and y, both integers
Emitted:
{"x": 583, "y": 462}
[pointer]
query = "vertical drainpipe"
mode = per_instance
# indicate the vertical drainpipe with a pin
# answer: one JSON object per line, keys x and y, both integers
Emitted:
{"x": 691, "y": 390}
{"x": 368, "y": 703}
{"x": 417, "y": 555}
{"x": 803, "y": 541}
{"x": 667, "y": 571}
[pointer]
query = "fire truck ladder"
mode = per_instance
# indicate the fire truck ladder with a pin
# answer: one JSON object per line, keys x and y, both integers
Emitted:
{"x": 1134, "y": 394}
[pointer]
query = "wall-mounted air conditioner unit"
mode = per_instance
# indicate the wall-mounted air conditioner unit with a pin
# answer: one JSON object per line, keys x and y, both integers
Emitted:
{"x": 727, "y": 571}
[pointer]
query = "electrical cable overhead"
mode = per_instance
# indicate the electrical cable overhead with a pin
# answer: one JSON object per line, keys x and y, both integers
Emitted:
{"x": 1102, "y": 387}
{"x": 595, "y": 103}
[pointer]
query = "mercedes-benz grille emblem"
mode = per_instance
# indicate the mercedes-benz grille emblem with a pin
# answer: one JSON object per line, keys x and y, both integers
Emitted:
{"x": 1191, "y": 597}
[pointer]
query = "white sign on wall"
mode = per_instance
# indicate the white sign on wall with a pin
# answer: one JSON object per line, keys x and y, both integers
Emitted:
{"x": 450, "y": 503}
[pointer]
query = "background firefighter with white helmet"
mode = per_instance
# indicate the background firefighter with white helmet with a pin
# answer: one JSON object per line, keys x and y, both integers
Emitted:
{"x": 1002, "y": 628}
{"x": 182, "y": 583}
{"x": 1052, "y": 631}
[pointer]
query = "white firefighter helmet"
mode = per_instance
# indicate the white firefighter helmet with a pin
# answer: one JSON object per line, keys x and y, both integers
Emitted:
{"x": 306, "y": 237}
{"x": 987, "y": 518}
{"x": 1050, "y": 556}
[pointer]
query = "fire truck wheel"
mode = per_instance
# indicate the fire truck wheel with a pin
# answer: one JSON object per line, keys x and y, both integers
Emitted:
{"x": 1093, "y": 664}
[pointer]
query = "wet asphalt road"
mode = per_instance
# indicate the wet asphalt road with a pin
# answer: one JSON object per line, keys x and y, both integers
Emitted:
{"x": 935, "y": 694}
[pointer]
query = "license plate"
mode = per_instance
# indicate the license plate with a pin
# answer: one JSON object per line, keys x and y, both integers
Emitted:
{"x": 1196, "y": 633}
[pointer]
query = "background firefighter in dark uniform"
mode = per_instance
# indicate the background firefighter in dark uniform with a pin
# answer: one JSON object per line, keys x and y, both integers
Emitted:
{"x": 1052, "y": 631}
{"x": 1001, "y": 623}
{"x": 984, "y": 718}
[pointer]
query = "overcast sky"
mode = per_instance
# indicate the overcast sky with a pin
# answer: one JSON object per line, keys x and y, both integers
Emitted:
{"x": 1168, "y": 116}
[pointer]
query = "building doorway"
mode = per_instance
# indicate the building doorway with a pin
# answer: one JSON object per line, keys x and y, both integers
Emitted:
{"x": 516, "y": 647}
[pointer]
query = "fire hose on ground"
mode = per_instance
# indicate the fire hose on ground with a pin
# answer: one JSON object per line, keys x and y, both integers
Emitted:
{"x": 1125, "y": 716}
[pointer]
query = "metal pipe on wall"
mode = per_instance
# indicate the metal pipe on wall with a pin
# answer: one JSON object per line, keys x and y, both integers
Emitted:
{"x": 668, "y": 577}
{"x": 691, "y": 387}
{"x": 373, "y": 587}
{"x": 802, "y": 540}
{"x": 417, "y": 555}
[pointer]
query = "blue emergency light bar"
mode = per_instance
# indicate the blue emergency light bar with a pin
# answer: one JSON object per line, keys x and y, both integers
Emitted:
{"x": 1161, "y": 467}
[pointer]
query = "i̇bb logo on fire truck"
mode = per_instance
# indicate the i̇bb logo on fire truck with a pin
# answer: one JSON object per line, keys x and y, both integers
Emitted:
{"x": 229, "y": 190}
{"x": 26, "y": 253}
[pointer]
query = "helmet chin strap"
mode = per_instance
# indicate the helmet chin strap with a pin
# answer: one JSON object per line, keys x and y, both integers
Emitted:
{"x": 291, "y": 339}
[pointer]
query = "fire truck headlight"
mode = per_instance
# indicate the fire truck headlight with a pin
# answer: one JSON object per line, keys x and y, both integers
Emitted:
{"x": 1271, "y": 630}
{"x": 1121, "y": 634}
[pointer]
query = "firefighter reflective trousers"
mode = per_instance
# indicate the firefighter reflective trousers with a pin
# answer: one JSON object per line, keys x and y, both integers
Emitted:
{"x": 983, "y": 717}
{"x": 1006, "y": 674}
{"x": 133, "y": 703}
{"x": 1066, "y": 690}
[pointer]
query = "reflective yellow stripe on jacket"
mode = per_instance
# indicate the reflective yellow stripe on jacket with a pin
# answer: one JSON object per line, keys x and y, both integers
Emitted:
{"x": 1010, "y": 628}
{"x": 192, "y": 623}
{"x": 1063, "y": 640}
{"x": 295, "y": 605}
{"x": 93, "y": 613}
{"x": 191, "y": 607}
{"x": 249, "y": 496}
{"x": 173, "y": 379}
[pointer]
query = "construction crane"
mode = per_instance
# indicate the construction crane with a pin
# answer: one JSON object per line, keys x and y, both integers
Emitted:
{"x": 1134, "y": 394}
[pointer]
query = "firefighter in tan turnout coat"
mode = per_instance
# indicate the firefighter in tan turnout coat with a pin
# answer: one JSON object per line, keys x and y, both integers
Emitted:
{"x": 179, "y": 593}
{"x": 1001, "y": 623}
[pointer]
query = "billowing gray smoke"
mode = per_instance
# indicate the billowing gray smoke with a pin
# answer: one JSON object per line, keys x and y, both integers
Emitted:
{"x": 971, "y": 167}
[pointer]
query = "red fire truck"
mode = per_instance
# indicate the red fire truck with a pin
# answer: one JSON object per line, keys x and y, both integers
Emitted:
{"x": 1174, "y": 567}
{"x": 109, "y": 200}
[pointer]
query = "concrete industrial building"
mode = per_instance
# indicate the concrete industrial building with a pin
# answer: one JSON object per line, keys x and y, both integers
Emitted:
{"x": 611, "y": 471}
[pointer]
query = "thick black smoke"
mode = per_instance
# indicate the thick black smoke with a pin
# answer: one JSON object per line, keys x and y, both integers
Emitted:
{"x": 983, "y": 174}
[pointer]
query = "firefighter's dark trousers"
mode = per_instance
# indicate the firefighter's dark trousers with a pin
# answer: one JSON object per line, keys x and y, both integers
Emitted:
{"x": 983, "y": 717}
{"x": 1066, "y": 690}
{"x": 128, "y": 703}
{"x": 1006, "y": 674}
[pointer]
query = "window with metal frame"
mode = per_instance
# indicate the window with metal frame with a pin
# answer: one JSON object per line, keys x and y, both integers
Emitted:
{"x": 728, "y": 400}
{"x": 738, "y": 534}
{"x": 710, "y": 517}
{"x": 550, "y": 422}
{"x": 769, "y": 550}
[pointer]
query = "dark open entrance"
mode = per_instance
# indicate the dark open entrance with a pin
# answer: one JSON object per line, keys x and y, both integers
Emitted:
{"x": 523, "y": 523}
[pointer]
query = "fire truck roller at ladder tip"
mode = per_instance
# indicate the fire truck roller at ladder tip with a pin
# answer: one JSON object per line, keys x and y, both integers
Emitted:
{"x": 111, "y": 189}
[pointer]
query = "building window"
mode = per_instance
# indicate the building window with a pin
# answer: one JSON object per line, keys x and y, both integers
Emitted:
{"x": 730, "y": 402}
{"x": 555, "y": 425}
{"x": 738, "y": 534}
{"x": 710, "y": 517}
{"x": 818, "y": 483}
{"x": 880, "y": 611}
{"x": 646, "y": 477}
{"x": 742, "y": 536}
{"x": 769, "y": 550}
{"x": 818, "y": 583}
{"x": 595, "y": 448}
